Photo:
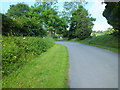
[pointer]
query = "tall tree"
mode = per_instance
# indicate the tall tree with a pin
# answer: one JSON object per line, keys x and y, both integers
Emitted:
{"x": 70, "y": 7}
{"x": 45, "y": 4}
{"x": 112, "y": 14}
{"x": 81, "y": 24}
{"x": 18, "y": 10}
{"x": 52, "y": 22}
{"x": 28, "y": 20}
{"x": 9, "y": 26}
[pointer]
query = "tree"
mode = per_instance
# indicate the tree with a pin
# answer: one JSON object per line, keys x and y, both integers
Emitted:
{"x": 9, "y": 26}
{"x": 30, "y": 26}
{"x": 81, "y": 24}
{"x": 36, "y": 20}
{"x": 69, "y": 8}
{"x": 18, "y": 10}
{"x": 45, "y": 4}
{"x": 112, "y": 14}
{"x": 28, "y": 20}
{"x": 51, "y": 21}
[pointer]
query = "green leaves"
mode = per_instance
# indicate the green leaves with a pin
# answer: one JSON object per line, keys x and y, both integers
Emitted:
{"x": 15, "y": 51}
{"x": 81, "y": 24}
{"x": 9, "y": 26}
{"x": 111, "y": 13}
{"x": 17, "y": 10}
{"x": 22, "y": 20}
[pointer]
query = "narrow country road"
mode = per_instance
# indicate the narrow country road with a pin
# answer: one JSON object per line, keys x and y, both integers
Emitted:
{"x": 91, "y": 67}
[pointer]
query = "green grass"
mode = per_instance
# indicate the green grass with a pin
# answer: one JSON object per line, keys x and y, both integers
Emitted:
{"x": 49, "y": 70}
{"x": 108, "y": 42}
{"x": 17, "y": 50}
{"x": 101, "y": 46}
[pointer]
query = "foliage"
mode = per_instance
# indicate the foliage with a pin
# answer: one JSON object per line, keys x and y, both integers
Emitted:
{"x": 43, "y": 71}
{"x": 51, "y": 20}
{"x": 30, "y": 27}
{"x": 81, "y": 24}
{"x": 69, "y": 8}
{"x": 79, "y": 21}
{"x": 9, "y": 26}
{"x": 111, "y": 13}
{"x": 22, "y": 26}
{"x": 99, "y": 33}
{"x": 106, "y": 41}
{"x": 36, "y": 20}
{"x": 109, "y": 31}
{"x": 16, "y": 50}
{"x": 18, "y": 10}
{"x": 45, "y": 4}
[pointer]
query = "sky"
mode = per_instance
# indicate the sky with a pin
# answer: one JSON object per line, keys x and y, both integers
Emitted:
{"x": 94, "y": 7}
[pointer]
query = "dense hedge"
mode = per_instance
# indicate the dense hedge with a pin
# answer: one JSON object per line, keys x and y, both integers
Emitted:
{"x": 16, "y": 51}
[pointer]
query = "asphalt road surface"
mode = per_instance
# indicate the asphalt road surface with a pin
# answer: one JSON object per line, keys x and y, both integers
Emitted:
{"x": 91, "y": 67}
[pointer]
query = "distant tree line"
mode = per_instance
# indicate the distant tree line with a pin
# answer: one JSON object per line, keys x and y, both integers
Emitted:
{"x": 37, "y": 20}
{"x": 44, "y": 18}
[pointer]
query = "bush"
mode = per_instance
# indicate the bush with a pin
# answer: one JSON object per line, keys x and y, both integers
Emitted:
{"x": 9, "y": 26}
{"x": 17, "y": 51}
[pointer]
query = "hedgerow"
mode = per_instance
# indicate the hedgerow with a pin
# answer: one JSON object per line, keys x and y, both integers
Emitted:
{"x": 16, "y": 51}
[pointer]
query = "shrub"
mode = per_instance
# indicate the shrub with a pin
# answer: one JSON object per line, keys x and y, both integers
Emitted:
{"x": 16, "y": 51}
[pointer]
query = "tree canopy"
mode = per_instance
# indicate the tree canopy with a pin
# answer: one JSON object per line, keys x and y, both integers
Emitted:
{"x": 18, "y": 10}
{"x": 79, "y": 21}
{"x": 36, "y": 20}
{"x": 112, "y": 14}
{"x": 43, "y": 18}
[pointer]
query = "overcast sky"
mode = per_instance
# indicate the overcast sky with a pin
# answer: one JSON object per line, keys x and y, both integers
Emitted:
{"x": 94, "y": 7}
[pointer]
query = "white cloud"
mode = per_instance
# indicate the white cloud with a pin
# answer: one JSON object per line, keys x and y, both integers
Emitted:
{"x": 102, "y": 27}
{"x": 96, "y": 10}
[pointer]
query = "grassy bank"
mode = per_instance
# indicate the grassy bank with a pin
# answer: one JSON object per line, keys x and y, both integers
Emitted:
{"x": 109, "y": 42}
{"x": 17, "y": 51}
{"x": 49, "y": 70}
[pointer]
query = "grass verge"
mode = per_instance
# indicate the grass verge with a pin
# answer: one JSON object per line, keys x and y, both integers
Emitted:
{"x": 17, "y": 51}
{"x": 108, "y": 42}
{"x": 49, "y": 70}
{"x": 102, "y": 46}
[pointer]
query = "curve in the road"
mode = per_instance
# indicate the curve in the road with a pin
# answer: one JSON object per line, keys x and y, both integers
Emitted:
{"x": 91, "y": 67}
